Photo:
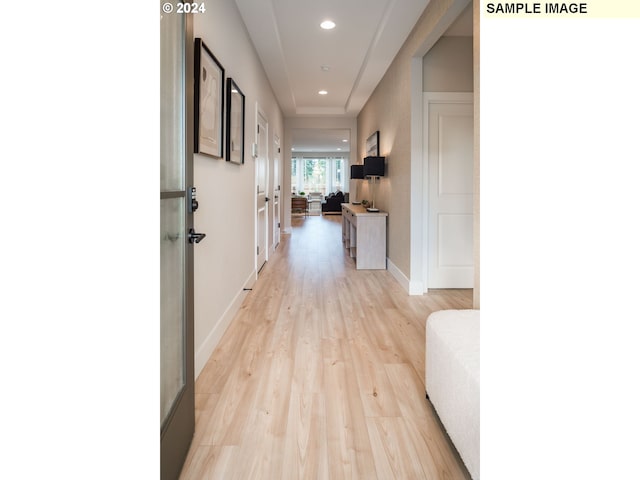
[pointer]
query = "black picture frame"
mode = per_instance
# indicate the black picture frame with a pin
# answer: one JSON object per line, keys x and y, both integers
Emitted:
{"x": 373, "y": 145}
{"x": 208, "y": 102}
{"x": 235, "y": 123}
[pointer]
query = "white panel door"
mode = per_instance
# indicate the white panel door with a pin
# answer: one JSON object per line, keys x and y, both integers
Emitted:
{"x": 449, "y": 148}
{"x": 262, "y": 212}
{"x": 276, "y": 192}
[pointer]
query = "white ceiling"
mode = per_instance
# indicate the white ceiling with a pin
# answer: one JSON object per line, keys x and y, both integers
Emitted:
{"x": 320, "y": 140}
{"x": 358, "y": 51}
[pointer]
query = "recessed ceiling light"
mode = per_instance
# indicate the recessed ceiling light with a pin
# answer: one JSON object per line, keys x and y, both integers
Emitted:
{"x": 325, "y": 68}
{"x": 323, "y": 92}
{"x": 327, "y": 25}
{"x": 345, "y": 140}
{"x": 338, "y": 148}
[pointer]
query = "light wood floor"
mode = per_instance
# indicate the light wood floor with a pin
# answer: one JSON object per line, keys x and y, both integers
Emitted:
{"x": 321, "y": 374}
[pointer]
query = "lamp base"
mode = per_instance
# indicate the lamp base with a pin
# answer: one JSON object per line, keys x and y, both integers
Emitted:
{"x": 356, "y": 203}
{"x": 372, "y": 210}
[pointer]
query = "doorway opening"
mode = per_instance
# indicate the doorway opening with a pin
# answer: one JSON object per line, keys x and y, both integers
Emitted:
{"x": 319, "y": 166}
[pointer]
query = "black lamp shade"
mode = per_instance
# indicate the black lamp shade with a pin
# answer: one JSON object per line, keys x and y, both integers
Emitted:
{"x": 357, "y": 172}
{"x": 374, "y": 167}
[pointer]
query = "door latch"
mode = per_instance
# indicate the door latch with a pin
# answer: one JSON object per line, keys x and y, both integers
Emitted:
{"x": 191, "y": 201}
{"x": 195, "y": 237}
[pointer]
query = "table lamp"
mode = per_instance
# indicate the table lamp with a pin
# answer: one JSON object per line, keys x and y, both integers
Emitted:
{"x": 373, "y": 169}
{"x": 357, "y": 173}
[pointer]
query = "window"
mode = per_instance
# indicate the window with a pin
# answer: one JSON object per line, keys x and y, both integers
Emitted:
{"x": 324, "y": 175}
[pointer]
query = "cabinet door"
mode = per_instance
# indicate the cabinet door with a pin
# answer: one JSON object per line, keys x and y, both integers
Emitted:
{"x": 371, "y": 248}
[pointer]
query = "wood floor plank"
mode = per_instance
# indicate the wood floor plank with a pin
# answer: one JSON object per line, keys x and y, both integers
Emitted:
{"x": 440, "y": 460}
{"x": 209, "y": 462}
{"x": 334, "y": 383}
{"x": 349, "y": 449}
{"x": 376, "y": 393}
{"x": 321, "y": 374}
{"x": 305, "y": 451}
{"x": 205, "y": 403}
{"x": 408, "y": 390}
{"x": 395, "y": 454}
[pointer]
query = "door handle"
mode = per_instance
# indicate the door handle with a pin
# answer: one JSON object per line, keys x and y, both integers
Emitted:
{"x": 195, "y": 237}
{"x": 266, "y": 199}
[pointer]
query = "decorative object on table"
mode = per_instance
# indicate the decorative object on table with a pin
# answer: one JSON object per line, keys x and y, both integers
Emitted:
{"x": 301, "y": 194}
{"x": 235, "y": 123}
{"x": 372, "y": 146}
{"x": 373, "y": 170}
{"x": 208, "y": 102}
{"x": 357, "y": 173}
{"x": 365, "y": 203}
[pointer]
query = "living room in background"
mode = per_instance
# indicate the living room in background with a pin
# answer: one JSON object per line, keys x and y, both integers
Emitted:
{"x": 323, "y": 175}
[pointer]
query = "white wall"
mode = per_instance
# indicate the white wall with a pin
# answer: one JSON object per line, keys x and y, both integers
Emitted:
{"x": 448, "y": 66}
{"x": 224, "y": 262}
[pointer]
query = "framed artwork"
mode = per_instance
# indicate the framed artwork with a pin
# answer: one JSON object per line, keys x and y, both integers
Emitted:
{"x": 209, "y": 102}
{"x": 235, "y": 123}
{"x": 372, "y": 147}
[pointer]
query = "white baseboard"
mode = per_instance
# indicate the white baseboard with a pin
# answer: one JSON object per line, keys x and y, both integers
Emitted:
{"x": 411, "y": 287}
{"x": 204, "y": 352}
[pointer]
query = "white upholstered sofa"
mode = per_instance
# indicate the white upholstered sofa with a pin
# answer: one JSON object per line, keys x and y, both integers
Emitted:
{"x": 452, "y": 379}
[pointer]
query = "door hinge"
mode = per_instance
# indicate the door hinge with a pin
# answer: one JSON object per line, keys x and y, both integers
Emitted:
{"x": 278, "y": 224}
{"x": 258, "y": 250}
{"x": 258, "y": 128}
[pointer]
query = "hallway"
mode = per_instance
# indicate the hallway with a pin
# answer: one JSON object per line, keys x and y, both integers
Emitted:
{"x": 321, "y": 374}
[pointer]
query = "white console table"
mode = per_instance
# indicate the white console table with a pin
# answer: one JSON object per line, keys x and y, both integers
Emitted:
{"x": 365, "y": 236}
